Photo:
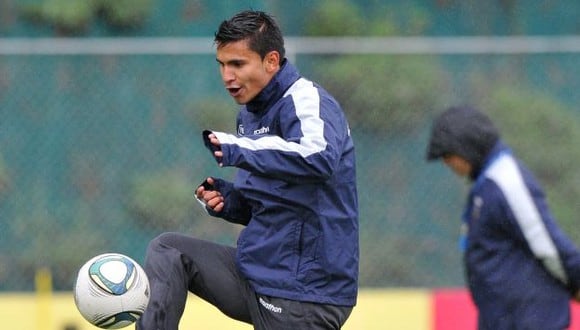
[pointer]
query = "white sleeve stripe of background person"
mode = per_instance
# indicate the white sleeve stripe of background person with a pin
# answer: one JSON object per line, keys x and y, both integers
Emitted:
{"x": 505, "y": 173}
{"x": 311, "y": 124}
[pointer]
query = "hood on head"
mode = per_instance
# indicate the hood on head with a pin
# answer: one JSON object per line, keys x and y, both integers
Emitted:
{"x": 463, "y": 131}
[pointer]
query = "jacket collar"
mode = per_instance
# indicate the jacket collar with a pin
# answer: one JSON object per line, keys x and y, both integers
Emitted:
{"x": 499, "y": 148}
{"x": 275, "y": 89}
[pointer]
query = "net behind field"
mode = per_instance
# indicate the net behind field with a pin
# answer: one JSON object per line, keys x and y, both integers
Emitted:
{"x": 100, "y": 153}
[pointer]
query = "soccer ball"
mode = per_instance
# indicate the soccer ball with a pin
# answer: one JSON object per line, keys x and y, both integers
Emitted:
{"x": 111, "y": 291}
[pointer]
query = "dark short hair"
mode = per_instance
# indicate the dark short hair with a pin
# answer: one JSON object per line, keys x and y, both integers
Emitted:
{"x": 259, "y": 28}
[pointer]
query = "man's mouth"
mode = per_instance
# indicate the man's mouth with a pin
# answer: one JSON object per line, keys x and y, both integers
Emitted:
{"x": 234, "y": 91}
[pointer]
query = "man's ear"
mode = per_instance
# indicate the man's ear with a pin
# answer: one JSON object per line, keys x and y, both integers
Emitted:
{"x": 272, "y": 61}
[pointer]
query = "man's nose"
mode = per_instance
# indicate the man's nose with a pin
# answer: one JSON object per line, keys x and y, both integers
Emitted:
{"x": 228, "y": 74}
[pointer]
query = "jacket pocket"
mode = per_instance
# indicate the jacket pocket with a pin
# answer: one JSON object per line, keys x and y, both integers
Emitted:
{"x": 308, "y": 244}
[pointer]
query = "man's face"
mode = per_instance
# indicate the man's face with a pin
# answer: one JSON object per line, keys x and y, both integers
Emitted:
{"x": 458, "y": 164}
{"x": 243, "y": 72}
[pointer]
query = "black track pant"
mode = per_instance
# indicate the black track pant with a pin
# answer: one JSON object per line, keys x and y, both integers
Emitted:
{"x": 176, "y": 264}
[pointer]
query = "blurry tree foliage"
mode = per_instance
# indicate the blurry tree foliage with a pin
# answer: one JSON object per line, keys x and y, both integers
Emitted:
{"x": 385, "y": 95}
{"x": 335, "y": 18}
{"x": 160, "y": 200}
{"x": 215, "y": 113}
{"x": 347, "y": 18}
{"x": 75, "y": 17}
{"x": 4, "y": 177}
{"x": 401, "y": 89}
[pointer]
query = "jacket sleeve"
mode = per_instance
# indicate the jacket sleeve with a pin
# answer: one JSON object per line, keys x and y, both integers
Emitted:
{"x": 527, "y": 218}
{"x": 312, "y": 135}
{"x": 236, "y": 209}
{"x": 570, "y": 256}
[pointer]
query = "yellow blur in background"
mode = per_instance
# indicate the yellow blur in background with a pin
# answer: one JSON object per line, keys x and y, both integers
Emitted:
{"x": 401, "y": 309}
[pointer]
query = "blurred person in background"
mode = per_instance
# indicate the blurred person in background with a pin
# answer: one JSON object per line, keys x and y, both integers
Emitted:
{"x": 296, "y": 261}
{"x": 521, "y": 268}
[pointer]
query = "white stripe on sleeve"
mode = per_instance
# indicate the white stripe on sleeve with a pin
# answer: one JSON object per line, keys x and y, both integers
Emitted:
{"x": 505, "y": 173}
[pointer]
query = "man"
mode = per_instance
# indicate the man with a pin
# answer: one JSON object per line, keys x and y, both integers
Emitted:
{"x": 296, "y": 262}
{"x": 521, "y": 269}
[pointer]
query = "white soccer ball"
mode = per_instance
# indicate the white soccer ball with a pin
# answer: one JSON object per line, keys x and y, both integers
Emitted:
{"x": 111, "y": 291}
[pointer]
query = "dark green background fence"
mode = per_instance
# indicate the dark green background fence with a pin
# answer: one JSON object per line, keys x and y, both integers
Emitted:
{"x": 101, "y": 153}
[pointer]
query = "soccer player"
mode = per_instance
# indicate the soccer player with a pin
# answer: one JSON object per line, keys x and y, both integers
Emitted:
{"x": 521, "y": 268}
{"x": 295, "y": 265}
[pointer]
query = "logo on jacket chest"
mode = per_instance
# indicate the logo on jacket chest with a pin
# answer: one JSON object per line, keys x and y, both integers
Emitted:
{"x": 262, "y": 130}
{"x": 259, "y": 131}
{"x": 476, "y": 209}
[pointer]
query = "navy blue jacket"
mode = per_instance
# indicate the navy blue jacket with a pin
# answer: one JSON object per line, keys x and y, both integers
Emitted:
{"x": 521, "y": 268}
{"x": 295, "y": 191}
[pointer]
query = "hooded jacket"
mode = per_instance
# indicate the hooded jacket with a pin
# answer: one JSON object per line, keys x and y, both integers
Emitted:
{"x": 521, "y": 268}
{"x": 295, "y": 191}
